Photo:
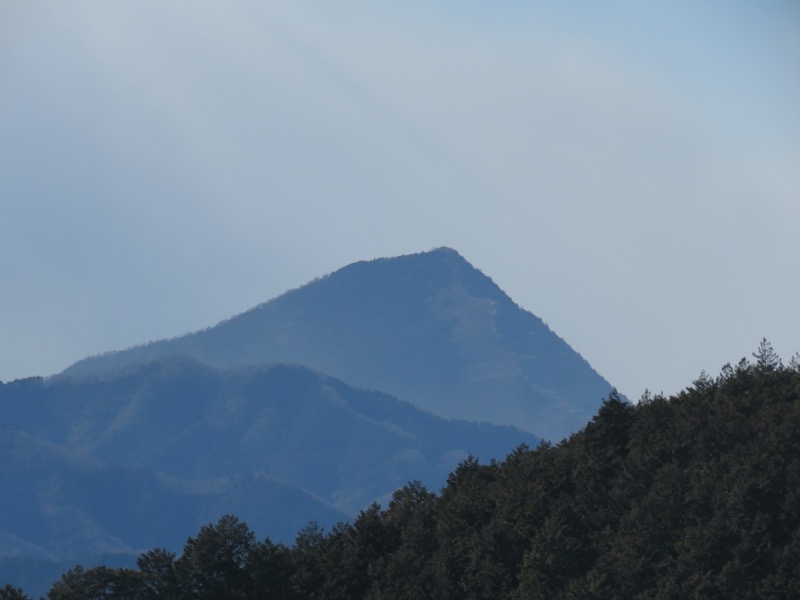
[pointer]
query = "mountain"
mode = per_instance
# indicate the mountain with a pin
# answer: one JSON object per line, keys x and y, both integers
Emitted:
{"x": 275, "y": 414}
{"x": 62, "y": 508}
{"x": 59, "y": 504}
{"x": 428, "y": 328}
{"x": 142, "y": 457}
{"x": 189, "y": 421}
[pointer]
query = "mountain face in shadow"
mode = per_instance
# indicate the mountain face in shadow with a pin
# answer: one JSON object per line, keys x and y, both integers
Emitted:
{"x": 428, "y": 328}
{"x": 62, "y": 505}
{"x": 143, "y": 458}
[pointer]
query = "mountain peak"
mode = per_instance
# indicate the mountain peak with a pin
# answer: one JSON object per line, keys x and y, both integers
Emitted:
{"x": 429, "y": 328}
{"x": 437, "y": 257}
{"x": 441, "y": 256}
{"x": 443, "y": 252}
{"x": 411, "y": 277}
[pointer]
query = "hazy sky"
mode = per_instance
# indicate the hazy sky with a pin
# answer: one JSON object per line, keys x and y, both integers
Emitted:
{"x": 627, "y": 171}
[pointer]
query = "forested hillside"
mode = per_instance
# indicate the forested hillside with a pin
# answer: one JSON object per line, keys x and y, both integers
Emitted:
{"x": 697, "y": 495}
{"x": 99, "y": 470}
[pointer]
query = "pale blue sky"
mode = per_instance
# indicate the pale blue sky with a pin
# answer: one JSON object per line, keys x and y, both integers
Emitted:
{"x": 630, "y": 173}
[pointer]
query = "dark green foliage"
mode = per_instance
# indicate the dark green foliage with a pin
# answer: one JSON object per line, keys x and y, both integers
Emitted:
{"x": 270, "y": 568}
{"x": 9, "y": 592}
{"x": 407, "y": 571}
{"x": 159, "y": 579}
{"x": 695, "y": 496}
{"x": 97, "y": 583}
{"x": 213, "y": 565}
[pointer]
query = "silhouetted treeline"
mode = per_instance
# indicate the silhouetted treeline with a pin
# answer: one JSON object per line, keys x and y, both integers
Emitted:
{"x": 693, "y": 496}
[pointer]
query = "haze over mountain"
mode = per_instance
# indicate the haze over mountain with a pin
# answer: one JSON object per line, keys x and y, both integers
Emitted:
{"x": 428, "y": 328}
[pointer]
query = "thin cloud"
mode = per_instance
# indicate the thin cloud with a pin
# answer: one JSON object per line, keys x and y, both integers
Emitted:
{"x": 168, "y": 164}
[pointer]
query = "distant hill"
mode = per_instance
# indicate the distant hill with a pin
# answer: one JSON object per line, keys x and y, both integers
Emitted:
{"x": 186, "y": 420}
{"x": 59, "y": 504}
{"x": 141, "y": 458}
{"x": 428, "y": 328}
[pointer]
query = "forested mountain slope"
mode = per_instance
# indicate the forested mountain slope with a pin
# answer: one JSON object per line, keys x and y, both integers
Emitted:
{"x": 146, "y": 456}
{"x": 187, "y": 420}
{"x": 693, "y": 496}
{"x": 428, "y": 328}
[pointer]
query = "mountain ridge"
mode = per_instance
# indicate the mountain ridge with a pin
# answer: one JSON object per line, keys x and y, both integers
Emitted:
{"x": 169, "y": 414}
{"x": 112, "y": 465}
{"x": 426, "y": 327}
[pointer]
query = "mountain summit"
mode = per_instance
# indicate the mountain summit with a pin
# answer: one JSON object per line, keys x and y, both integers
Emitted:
{"x": 428, "y": 328}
